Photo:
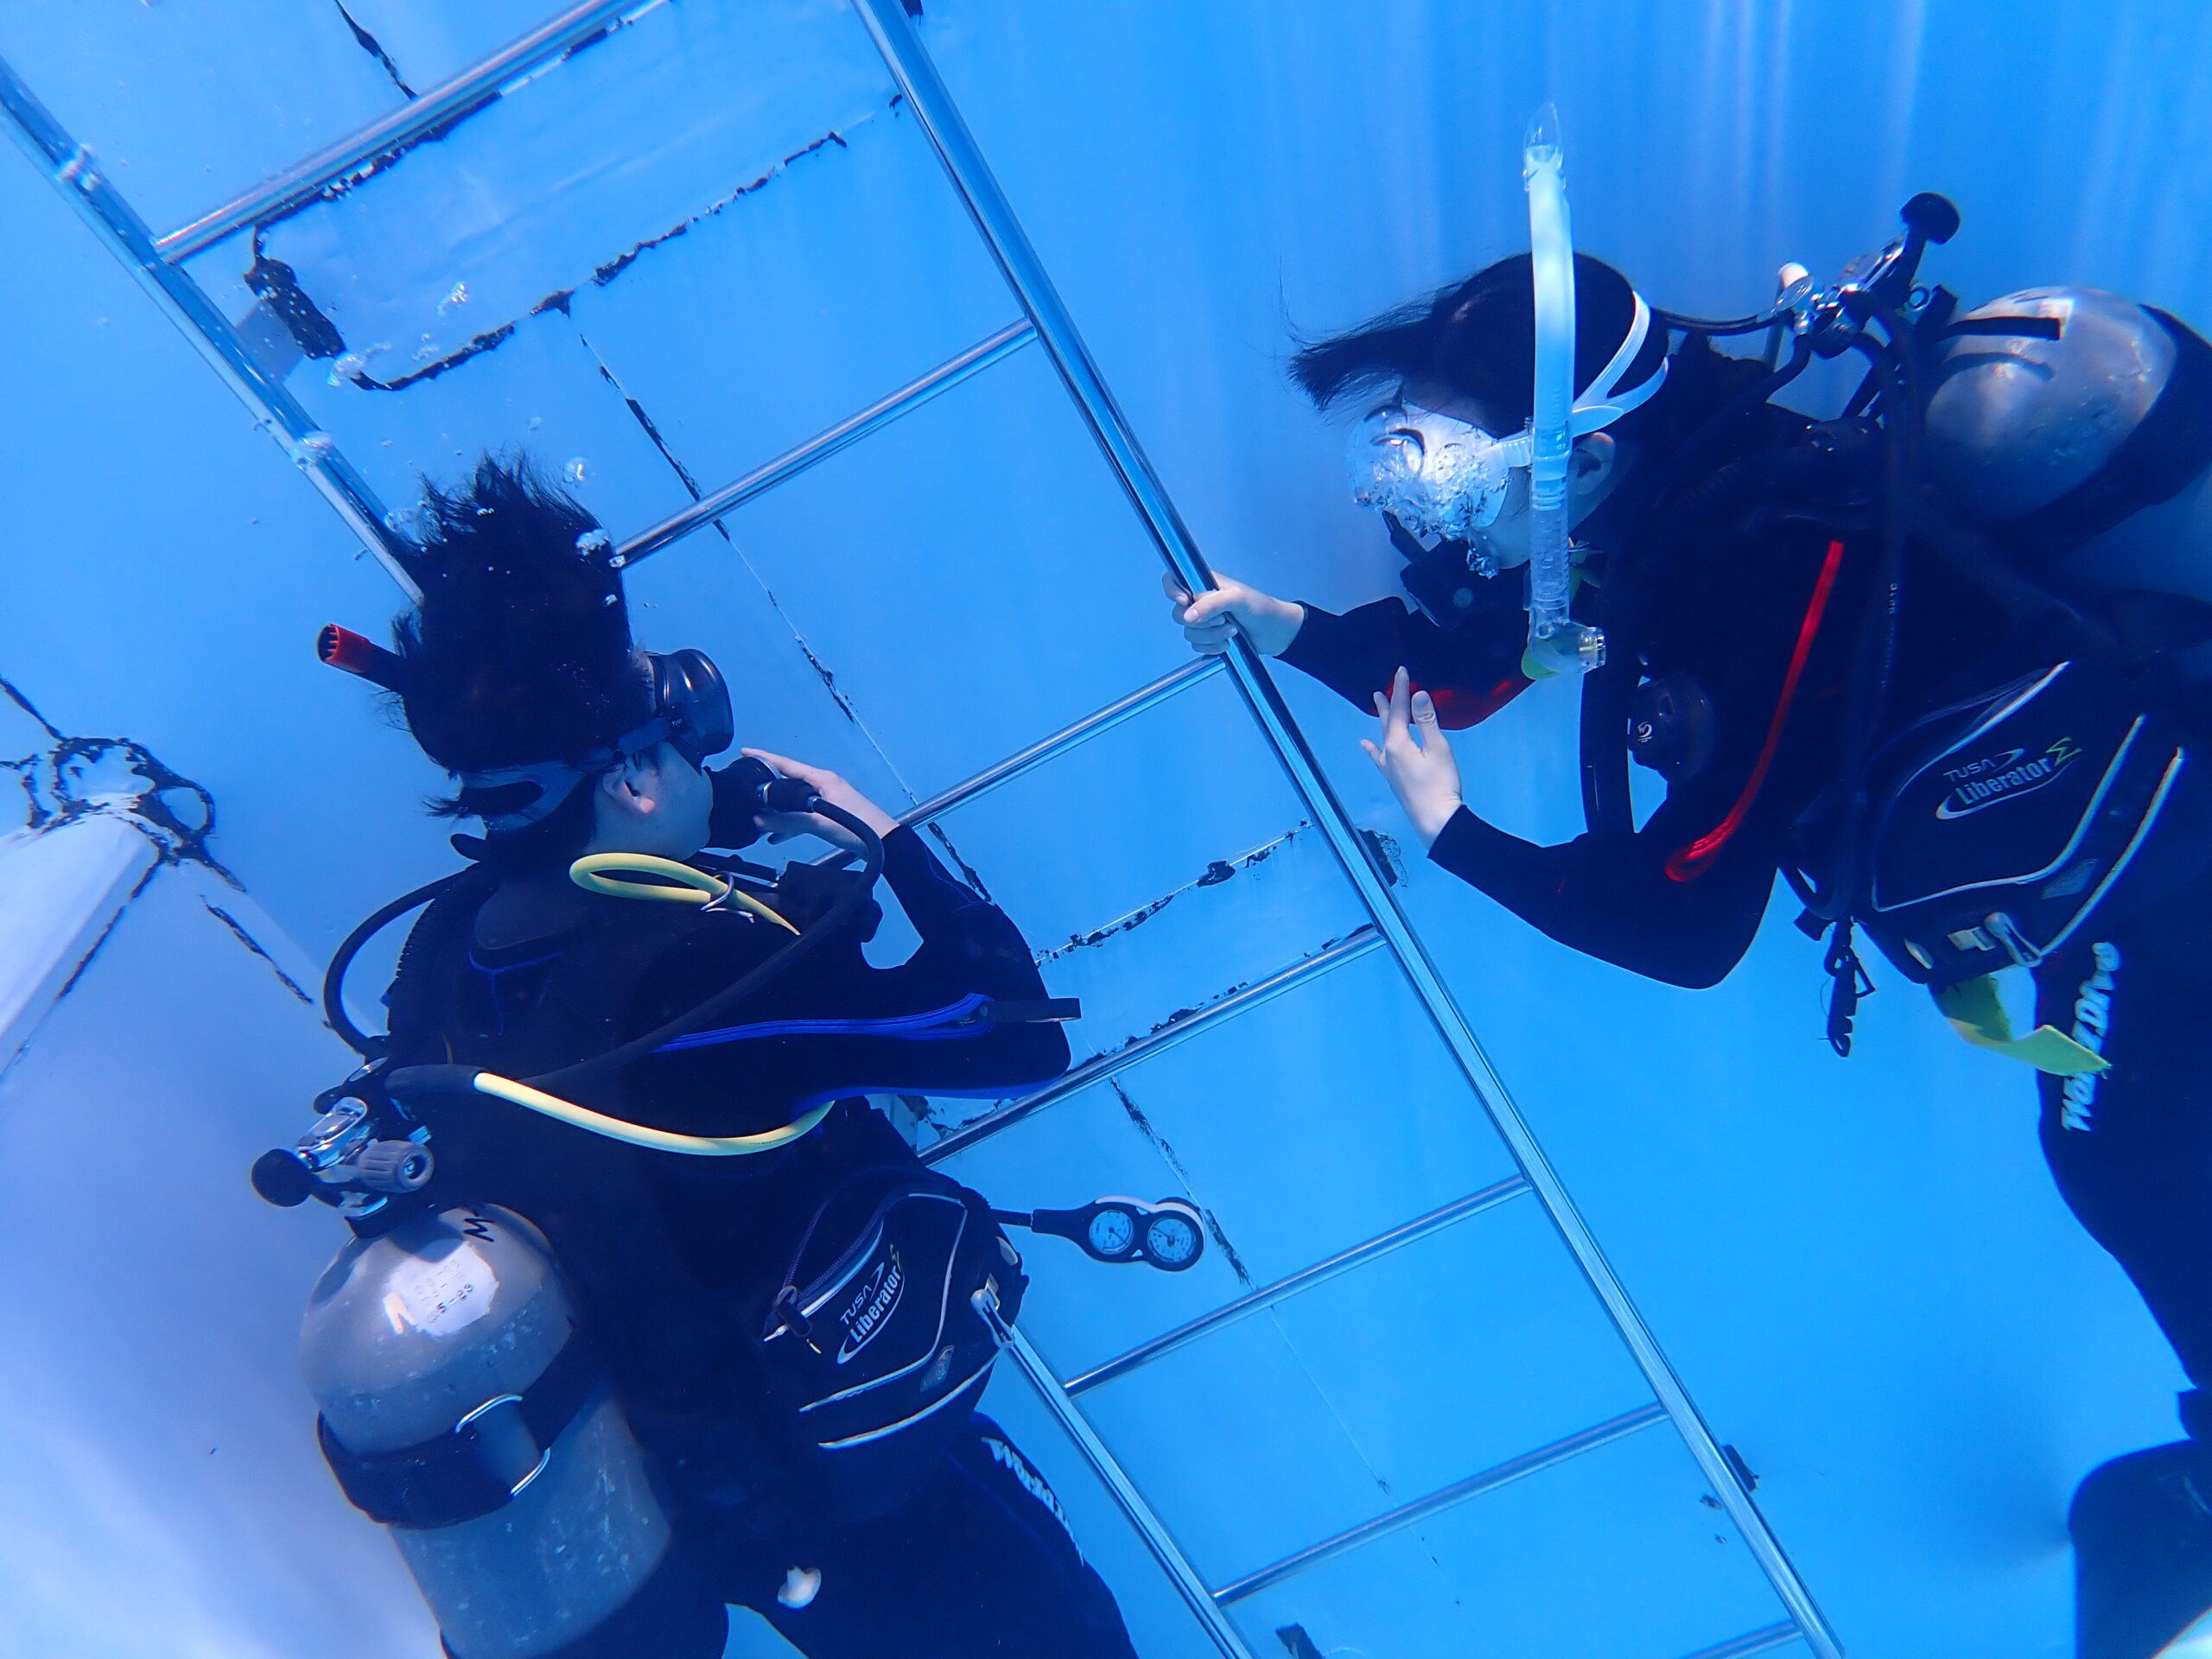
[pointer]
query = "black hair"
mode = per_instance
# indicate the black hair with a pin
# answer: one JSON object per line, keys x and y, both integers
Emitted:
{"x": 1478, "y": 339}
{"x": 519, "y": 650}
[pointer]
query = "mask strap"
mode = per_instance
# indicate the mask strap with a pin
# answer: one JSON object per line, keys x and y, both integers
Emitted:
{"x": 1598, "y": 407}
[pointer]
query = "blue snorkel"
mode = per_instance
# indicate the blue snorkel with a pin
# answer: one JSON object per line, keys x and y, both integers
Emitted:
{"x": 1555, "y": 639}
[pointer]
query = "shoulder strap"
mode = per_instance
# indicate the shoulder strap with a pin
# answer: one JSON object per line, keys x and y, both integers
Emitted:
{"x": 411, "y": 999}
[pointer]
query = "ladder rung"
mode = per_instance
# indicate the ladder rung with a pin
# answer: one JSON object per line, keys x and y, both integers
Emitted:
{"x": 1422, "y": 1508}
{"x": 1761, "y": 1641}
{"x": 1171, "y": 684}
{"x": 1304, "y": 1279}
{"x": 480, "y": 82}
{"x": 1352, "y": 946}
{"x": 992, "y": 348}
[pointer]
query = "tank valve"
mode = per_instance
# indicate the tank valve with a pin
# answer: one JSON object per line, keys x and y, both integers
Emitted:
{"x": 394, "y": 1166}
{"x": 349, "y": 1157}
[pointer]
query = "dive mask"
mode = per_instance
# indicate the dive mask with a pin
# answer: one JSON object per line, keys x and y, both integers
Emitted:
{"x": 692, "y": 713}
{"x": 1440, "y": 476}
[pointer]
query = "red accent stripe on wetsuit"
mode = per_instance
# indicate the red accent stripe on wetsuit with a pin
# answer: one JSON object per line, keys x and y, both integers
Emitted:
{"x": 1688, "y": 863}
{"x": 1457, "y": 708}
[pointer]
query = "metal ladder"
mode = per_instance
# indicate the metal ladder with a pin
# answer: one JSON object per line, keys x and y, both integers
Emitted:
{"x": 157, "y": 262}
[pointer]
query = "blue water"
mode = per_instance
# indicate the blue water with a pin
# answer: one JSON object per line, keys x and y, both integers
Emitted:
{"x": 1859, "y": 1270}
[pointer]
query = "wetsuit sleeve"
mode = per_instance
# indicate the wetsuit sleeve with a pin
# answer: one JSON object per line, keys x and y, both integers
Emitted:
{"x": 1472, "y": 671}
{"x": 836, "y": 1025}
{"x": 1615, "y": 900}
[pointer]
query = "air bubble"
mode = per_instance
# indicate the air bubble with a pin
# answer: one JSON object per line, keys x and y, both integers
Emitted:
{"x": 594, "y": 541}
{"x": 456, "y": 296}
{"x": 574, "y": 471}
{"x": 536, "y": 421}
{"x": 312, "y": 447}
{"x": 610, "y": 599}
{"x": 354, "y": 366}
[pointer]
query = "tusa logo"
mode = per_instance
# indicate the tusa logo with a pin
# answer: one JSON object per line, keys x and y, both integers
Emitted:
{"x": 869, "y": 1307}
{"x": 2003, "y": 776}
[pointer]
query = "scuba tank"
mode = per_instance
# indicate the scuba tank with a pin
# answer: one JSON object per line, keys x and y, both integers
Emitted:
{"x": 462, "y": 1407}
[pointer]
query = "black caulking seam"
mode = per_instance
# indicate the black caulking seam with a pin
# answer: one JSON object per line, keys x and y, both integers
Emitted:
{"x": 1201, "y": 1006}
{"x": 9, "y": 690}
{"x": 476, "y": 347}
{"x": 107, "y": 932}
{"x": 646, "y": 423}
{"x": 602, "y": 275}
{"x": 1220, "y": 870}
{"x": 822, "y": 670}
{"x": 560, "y": 298}
{"x": 1167, "y": 1154}
{"x": 370, "y": 166}
{"x": 967, "y": 870}
{"x": 258, "y": 948}
{"x": 374, "y": 48}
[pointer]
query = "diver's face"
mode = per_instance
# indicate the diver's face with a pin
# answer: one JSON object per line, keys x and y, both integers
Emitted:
{"x": 1590, "y": 473}
{"x": 659, "y": 803}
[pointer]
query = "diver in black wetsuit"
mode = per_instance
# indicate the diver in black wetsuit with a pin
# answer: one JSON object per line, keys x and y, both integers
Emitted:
{"x": 935, "y": 1537}
{"x": 1735, "y": 586}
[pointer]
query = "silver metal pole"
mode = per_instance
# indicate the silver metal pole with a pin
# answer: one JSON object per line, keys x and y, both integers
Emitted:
{"x": 993, "y": 348}
{"x": 1168, "y": 686}
{"x": 1179, "y": 1030}
{"x": 1759, "y": 1641}
{"x": 77, "y": 172}
{"x": 1422, "y": 1508}
{"x": 1157, "y": 1539}
{"x": 894, "y": 37}
{"x": 478, "y": 84}
{"x": 1305, "y": 1279}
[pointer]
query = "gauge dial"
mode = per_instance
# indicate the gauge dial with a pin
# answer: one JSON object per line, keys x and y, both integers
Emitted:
{"x": 1171, "y": 1240}
{"x": 1113, "y": 1233}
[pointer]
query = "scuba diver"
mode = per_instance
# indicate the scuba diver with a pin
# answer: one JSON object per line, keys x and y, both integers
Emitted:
{"x": 1939, "y": 662}
{"x": 648, "y": 1310}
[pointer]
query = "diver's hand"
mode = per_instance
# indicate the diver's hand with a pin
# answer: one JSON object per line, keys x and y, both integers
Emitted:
{"x": 782, "y": 826}
{"x": 1417, "y": 760}
{"x": 1270, "y": 624}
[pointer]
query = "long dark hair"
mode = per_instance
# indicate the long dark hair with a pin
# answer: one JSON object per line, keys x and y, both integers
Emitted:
{"x": 520, "y": 648}
{"x": 1478, "y": 339}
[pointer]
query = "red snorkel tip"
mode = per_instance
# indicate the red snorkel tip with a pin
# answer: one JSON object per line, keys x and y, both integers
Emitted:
{"x": 355, "y": 653}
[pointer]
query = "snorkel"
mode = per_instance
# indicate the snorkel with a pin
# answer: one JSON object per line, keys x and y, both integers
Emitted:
{"x": 1440, "y": 477}
{"x": 1555, "y": 639}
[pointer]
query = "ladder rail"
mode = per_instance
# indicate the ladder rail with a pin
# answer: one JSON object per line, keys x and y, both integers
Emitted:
{"x": 895, "y": 38}
{"x": 1203, "y": 1605}
{"x": 481, "y": 82}
{"x": 1449, "y": 1497}
{"x": 993, "y": 348}
{"x": 1358, "y": 1256}
{"x": 76, "y": 173}
{"x": 1764, "y": 1640}
{"x": 1168, "y": 686}
{"x": 1177, "y": 1030}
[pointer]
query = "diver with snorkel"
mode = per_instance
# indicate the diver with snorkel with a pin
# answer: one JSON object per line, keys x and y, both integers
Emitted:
{"x": 648, "y": 1310}
{"x": 1943, "y": 663}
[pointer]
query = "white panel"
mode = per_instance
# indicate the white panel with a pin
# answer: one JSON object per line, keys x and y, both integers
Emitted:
{"x": 188, "y": 102}
{"x": 621, "y": 144}
{"x": 163, "y": 1492}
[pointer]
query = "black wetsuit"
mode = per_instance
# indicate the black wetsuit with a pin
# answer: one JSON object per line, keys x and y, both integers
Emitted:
{"x": 1681, "y": 898}
{"x": 674, "y": 1259}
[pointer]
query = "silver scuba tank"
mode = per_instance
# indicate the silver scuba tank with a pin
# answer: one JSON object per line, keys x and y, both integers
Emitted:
{"x": 461, "y": 1406}
{"x": 2057, "y": 413}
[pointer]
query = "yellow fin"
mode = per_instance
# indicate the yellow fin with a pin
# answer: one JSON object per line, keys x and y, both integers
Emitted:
{"x": 1977, "y": 1013}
